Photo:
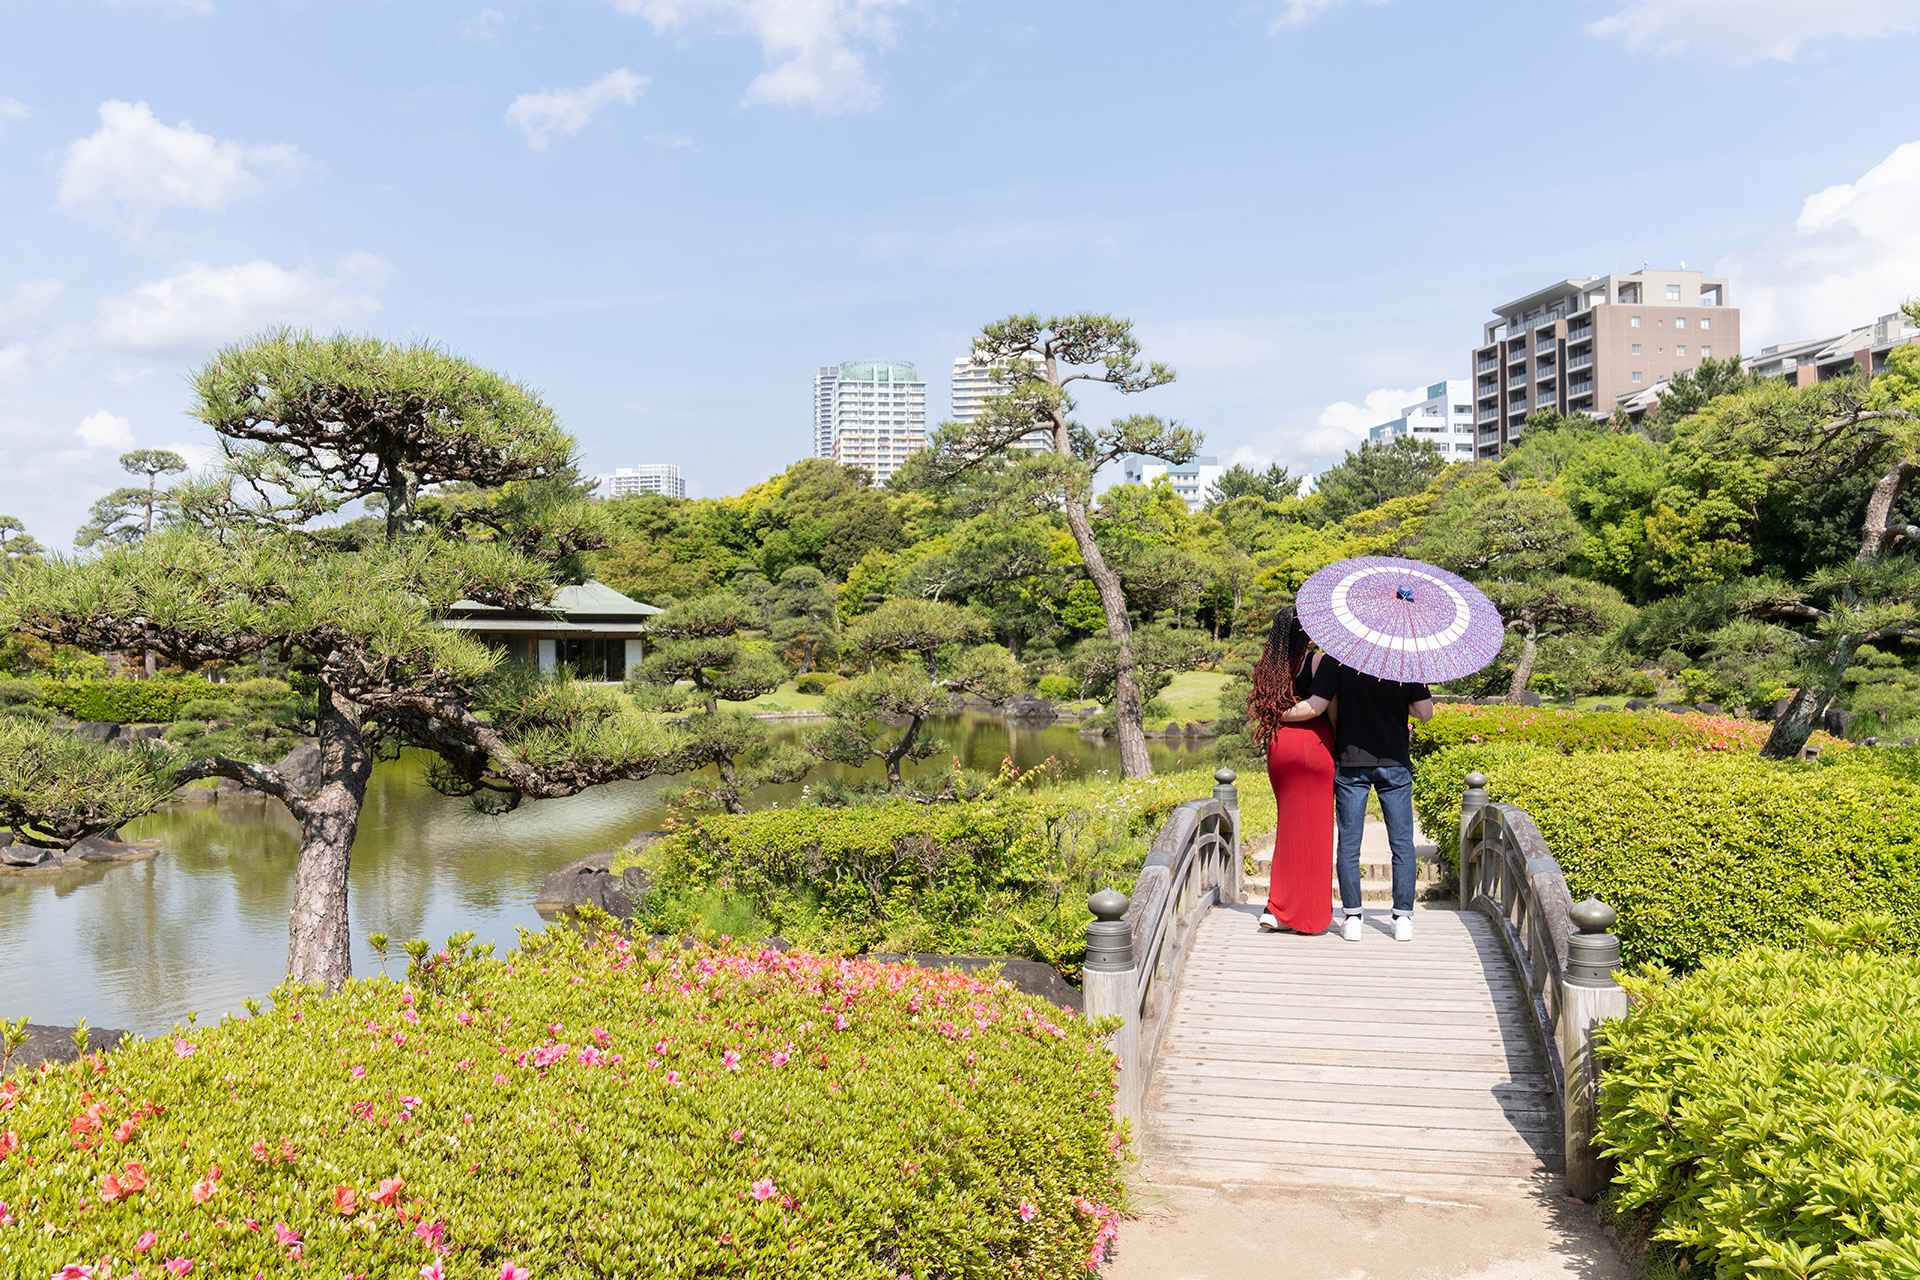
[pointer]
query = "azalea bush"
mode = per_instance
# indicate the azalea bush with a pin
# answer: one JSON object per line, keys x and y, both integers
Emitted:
{"x": 1456, "y": 724}
{"x": 1007, "y": 874}
{"x": 1762, "y": 1111}
{"x": 125, "y": 700}
{"x": 1705, "y": 853}
{"x": 579, "y": 1109}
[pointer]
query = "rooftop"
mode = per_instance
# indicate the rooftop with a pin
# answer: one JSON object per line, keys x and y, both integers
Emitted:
{"x": 878, "y": 371}
{"x": 590, "y": 598}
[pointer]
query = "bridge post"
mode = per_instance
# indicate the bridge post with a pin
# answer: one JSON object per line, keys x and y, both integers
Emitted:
{"x": 1589, "y": 996}
{"x": 1471, "y": 803}
{"x": 1229, "y": 797}
{"x": 1109, "y": 984}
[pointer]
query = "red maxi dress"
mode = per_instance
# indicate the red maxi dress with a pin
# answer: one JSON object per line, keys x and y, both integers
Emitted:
{"x": 1300, "y": 767}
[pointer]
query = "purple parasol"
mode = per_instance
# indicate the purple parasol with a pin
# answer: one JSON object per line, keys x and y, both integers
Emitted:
{"x": 1400, "y": 619}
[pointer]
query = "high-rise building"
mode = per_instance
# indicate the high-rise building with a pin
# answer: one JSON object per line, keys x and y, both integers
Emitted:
{"x": 823, "y": 382}
{"x": 1191, "y": 480}
{"x": 1444, "y": 418}
{"x": 1580, "y": 346}
{"x": 653, "y": 477}
{"x": 972, "y": 384}
{"x": 876, "y": 414}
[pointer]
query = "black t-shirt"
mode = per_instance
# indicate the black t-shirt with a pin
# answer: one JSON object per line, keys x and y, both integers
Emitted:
{"x": 1373, "y": 714}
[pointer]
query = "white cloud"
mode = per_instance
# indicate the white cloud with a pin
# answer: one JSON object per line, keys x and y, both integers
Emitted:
{"x": 1375, "y": 408}
{"x": 30, "y": 341}
{"x": 172, "y": 8}
{"x": 1300, "y": 13}
{"x": 1338, "y": 429}
{"x": 672, "y": 141}
{"x": 134, "y": 166}
{"x": 203, "y": 306}
{"x": 562, "y": 113}
{"x": 808, "y": 45}
{"x": 11, "y": 109}
{"x": 104, "y": 430}
{"x": 1750, "y": 30}
{"x": 483, "y": 26}
{"x": 1853, "y": 255}
{"x": 25, "y": 308}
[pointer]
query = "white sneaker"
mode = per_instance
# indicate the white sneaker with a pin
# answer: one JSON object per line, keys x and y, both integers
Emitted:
{"x": 1268, "y": 923}
{"x": 1350, "y": 930}
{"x": 1403, "y": 928}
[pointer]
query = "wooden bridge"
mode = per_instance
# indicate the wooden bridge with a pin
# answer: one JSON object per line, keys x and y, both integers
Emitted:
{"x": 1434, "y": 1066}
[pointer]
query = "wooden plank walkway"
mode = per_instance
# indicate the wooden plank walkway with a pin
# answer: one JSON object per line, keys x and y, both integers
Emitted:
{"x": 1406, "y": 1067}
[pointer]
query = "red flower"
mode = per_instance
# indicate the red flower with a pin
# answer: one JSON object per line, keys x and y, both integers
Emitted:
{"x": 345, "y": 1202}
{"x": 389, "y": 1191}
{"x": 134, "y": 1178}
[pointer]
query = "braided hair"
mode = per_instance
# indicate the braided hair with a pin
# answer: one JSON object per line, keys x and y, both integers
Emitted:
{"x": 1276, "y": 676}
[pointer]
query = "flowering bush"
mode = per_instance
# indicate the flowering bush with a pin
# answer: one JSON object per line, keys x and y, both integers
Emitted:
{"x": 579, "y": 1110}
{"x": 1454, "y": 724}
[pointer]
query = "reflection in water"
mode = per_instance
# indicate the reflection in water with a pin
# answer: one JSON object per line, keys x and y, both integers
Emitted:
{"x": 204, "y": 925}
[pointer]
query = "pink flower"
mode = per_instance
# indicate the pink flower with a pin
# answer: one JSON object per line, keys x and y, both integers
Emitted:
{"x": 499, "y": 1079}
{"x": 73, "y": 1271}
{"x": 285, "y": 1234}
{"x": 730, "y": 1060}
{"x": 178, "y": 1266}
{"x": 146, "y": 1241}
{"x": 389, "y": 1191}
{"x": 399, "y": 1037}
{"x": 764, "y": 1189}
{"x": 840, "y": 1022}
{"x": 359, "y": 1073}
{"x": 508, "y": 1271}
{"x": 408, "y": 1015}
{"x": 782, "y": 1059}
{"x": 1027, "y": 1211}
{"x": 673, "y": 1077}
{"x": 433, "y": 1236}
{"x": 182, "y": 1049}
{"x": 466, "y": 1019}
{"x": 433, "y": 1271}
{"x": 6, "y": 1215}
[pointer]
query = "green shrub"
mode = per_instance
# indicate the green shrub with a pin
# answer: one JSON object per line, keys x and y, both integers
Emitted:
{"x": 128, "y": 701}
{"x": 581, "y": 1110}
{"x": 816, "y": 682}
{"x": 1057, "y": 688}
{"x": 1705, "y": 853}
{"x": 1005, "y": 875}
{"x": 1764, "y": 1113}
{"x": 1454, "y": 724}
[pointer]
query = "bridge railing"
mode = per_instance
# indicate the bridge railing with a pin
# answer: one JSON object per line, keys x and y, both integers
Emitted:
{"x": 1562, "y": 950}
{"x": 1137, "y": 947}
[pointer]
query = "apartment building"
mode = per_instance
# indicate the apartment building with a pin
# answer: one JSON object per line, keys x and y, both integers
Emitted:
{"x": 972, "y": 384}
{"x": 1580, "y": 346}
{"x": 823, "y": 385}
{"x": 1445, "y": 419}
{"x": 1191, "y": 480}
{"x": 876, "y": 415}
{"x": 1819, "y": 359}
{"x": 653, "y": 477}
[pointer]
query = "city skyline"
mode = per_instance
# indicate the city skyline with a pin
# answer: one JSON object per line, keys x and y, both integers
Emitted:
{"x": 622, "y": 204}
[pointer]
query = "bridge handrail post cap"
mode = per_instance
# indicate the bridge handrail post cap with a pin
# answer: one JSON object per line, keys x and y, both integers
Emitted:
{"x": 1593, "y": 916}
{"x": 1109, "y": 904}
{"x": 1477, "y": 780}
{"x": 1225, "y": 777}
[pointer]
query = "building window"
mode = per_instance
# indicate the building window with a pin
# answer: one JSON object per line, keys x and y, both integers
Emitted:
{"x": 1680, "y": 351}
{"x": 1636, "y": 375}
{"x": 1705, "y": 352}
{"x": 1706, "y": 322}
{"x": 1636, "y": 348}
{"x": 1463, "y": 408}
{"x": 1634, "y": 322}
{"x": 1679, "y": 322}
{"x": 1673, "y": 293}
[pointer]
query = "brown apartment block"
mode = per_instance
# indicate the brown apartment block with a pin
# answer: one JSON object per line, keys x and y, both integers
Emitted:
{"x": 1580, "y": 345}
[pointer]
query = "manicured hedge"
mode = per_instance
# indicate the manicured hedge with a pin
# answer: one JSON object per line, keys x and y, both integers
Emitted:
{"x": 1703, "y": 854}
{"x": 1008, "y": 875}
{"x": 1573, "y": 731}
{"x": 128, "y": 701}
{"x": 1763, "y": 1112}
{"x": 581, "y": 1110}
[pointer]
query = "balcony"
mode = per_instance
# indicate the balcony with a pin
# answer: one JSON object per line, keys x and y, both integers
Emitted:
{"x": 1489, "y": 412}
{"x": 1581, "y": 361}
{"x": 1545, "y": 373}
{"x": 1486, "y": 366}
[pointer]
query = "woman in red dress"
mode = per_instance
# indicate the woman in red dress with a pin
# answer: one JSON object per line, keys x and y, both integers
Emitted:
{"x": 1300, "y": 767}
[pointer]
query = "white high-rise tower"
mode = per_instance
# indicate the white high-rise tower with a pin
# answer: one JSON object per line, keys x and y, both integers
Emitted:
{"x": 972, "y": 384}
{"x": 874, "y": 414}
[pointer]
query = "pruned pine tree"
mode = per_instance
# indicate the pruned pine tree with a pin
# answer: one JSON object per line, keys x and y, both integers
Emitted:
{"x": 1037, "y": 360}
{"x": 925, "y": 652}
{"x": 698, "y": 658}
{"x": 309, "y": 424}
{"x": 367, "y": 618}
{"x": 128, "y": 515}
{"x": 17, "y": 546}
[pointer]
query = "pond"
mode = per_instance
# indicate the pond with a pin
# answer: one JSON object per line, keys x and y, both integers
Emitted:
{"x": 203, "y": 925}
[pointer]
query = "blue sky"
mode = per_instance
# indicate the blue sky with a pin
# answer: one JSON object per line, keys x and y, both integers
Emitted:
{"x": 666, "y": 214}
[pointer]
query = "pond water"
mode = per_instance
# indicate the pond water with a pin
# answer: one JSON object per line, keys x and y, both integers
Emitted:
{"x": 203, "y": 925}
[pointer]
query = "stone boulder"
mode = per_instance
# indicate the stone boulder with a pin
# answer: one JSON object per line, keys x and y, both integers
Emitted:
{"x": 1637, "y": 704}
{"x": 1528, "y": 698}
{"x": 590, "y": 881}
{"x": 98, "y": 730}
{"x": 55, "y": 1044}
{"x": 1835, "y": 721}
{"x": 301, "y": 767}
{"x": 1028, "y": 706}
{"x": 1606, "y": 706}
{"x": 1710, "y": 709}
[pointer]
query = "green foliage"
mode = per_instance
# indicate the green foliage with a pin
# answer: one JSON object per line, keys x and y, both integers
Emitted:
{"x": 129, "y": 701}
{"x": 1373, "y": 474}
{"x": 584, "y": 1110}
{"x": 1276, "y": 484}
{"x": 56, "y": 789}
{"x": 258, "y": 720}
{"x": 816, "y": 682}
{"x": 1057, "y": 688}
{"x": 1571, "y": 732}
{"x": 1705, "y": 852}
{"x": 1763, "y": 1110}
{"x": 128, "y": 515}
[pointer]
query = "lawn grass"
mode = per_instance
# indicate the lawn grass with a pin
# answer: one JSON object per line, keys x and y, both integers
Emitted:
{"x": 785, "y": 698}
{"x": 1193, "y": 695}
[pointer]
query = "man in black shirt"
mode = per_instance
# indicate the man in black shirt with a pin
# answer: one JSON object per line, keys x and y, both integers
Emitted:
{"x": 1370, "y": 752}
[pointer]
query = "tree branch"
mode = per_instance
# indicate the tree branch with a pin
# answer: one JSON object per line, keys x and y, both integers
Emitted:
{"x": 257, "y": 776}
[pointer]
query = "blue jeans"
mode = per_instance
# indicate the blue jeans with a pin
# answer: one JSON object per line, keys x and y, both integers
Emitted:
{"x": 1394, "y": 782}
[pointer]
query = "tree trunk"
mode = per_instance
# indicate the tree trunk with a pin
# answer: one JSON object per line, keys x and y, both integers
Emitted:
{"x": 898, "y": 752}
{"x": 319, "y": 945}
{"x": 729, "y": 785}
{"x": 1523, "y": 669}
{"x": 1818, "y": 688}
{"x": 1128, "y": 706}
